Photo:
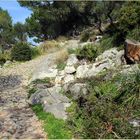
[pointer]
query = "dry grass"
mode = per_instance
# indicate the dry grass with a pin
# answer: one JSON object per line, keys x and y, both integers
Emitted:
{"x": 49, "y": 46}
{"x": 62, "y": 39}
{"x": 61, "y": 56}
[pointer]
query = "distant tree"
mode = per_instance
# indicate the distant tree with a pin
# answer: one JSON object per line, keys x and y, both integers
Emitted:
{"x": 20, "y": 32}
{"x": 6, "y": 30}
{"x": 50, "y": 19}
{"x": 129, "y": 16}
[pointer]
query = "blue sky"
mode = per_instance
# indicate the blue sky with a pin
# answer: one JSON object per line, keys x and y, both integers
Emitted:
{"x": 18, "y": 13}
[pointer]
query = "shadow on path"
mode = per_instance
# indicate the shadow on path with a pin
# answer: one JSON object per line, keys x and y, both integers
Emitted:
{"x": 9, "y": 82}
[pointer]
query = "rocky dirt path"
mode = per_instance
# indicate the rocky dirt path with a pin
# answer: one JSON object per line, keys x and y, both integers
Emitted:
{"x": 17, "y": 120}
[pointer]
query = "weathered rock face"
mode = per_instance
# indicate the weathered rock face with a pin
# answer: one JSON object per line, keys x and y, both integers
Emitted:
{"x": 51, "y": 98}
{"x": 77, "y": 90}
{"x": 72, "y": 60}
{"x": 132, "y": 51}
{"x": 69, "y": 78}
{"x": 82, "y": 71}
{"x": 70, "y": 69}
{"x": 52, "y": 101}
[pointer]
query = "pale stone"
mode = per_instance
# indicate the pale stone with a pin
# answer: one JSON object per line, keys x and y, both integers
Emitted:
{"x": 69, "y": 78}
{"x": 70, "y": 69}
{"x": 72, "y": 60}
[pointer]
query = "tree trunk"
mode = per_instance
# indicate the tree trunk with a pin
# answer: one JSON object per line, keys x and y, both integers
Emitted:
{"x": 99, "y": 26}
{"x": 110, "y": 18}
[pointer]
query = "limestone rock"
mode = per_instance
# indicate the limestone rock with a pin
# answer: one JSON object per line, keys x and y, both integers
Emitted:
{"x": 82, "y": 71}
{"x": 58, "y": 110}
{"x": 70, "y": 69}
{"x": 72, "y": 60}
{"x": 109, "y": 54}
{"x": 77, "y": 89}
{"x": 68, "y": 78}
{"x": 52, "y": 100}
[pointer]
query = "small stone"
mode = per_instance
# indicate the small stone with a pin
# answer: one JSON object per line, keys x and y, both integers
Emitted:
{"x": 69, "y": 78}
{"x": 70, "y": 69}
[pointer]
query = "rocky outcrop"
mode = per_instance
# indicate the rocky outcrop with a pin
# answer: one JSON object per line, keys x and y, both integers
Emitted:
{"x": 52, "y": 101}
{"x": 66, "y": 80}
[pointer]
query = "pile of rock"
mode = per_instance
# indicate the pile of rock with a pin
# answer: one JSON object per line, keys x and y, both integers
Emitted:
{"x": 66, "y": 81}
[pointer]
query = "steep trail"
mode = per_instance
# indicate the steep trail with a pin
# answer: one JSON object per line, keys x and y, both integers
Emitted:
{"x": 17, "y": 120}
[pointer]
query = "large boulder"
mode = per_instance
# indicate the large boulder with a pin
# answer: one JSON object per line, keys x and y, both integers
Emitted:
{"x": 81, "y": 71}
{"x": 85, "y": 71}
{"x": 49, "y": 73}
{"x": 77, "y": 89}
{"x": 52, "y": 101}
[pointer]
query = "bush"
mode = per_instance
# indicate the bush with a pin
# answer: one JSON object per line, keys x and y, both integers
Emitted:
{"x": 84, "y": 37}
{"x": 21, "y": 52}
{"x": 61, "y": 66}
{"x": 35, "y": 52}
{"x": 46, "y": 46}
{"x": 6, "y": 55}
{"x": 89, "y": 52}
{"x": 134, "y": 34}
{"x": 106, "y": 43}
{"x": 107, "y": 109}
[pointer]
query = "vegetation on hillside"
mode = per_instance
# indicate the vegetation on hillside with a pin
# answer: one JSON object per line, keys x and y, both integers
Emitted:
{"x": 108, "y": 108}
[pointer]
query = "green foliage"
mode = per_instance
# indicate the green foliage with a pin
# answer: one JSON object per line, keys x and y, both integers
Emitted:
{"x": 61, "y": 66}
{"x": 41, "y": 81}
{"x": 48, "y": 45}
{"x": 31, "y": 91}
{"x": 35, "y": 51}
{"x": 21, "y": 52}
{"x": 106, "y": 43}
{"x": 134, "y": 34}
{"x": 71, "y": 51}
{"x": 55, "y": 128}
{"x": 6, "y": 55}
{"x": 89, "y": 52}
{"x": 84, "y": 37}
{"x": 20, "y": 32}
{"x": 6, "y": 31}
{"x": 2, "y": 60}
{"x": 129, "y": 15}
{"x": 107, "y": 109}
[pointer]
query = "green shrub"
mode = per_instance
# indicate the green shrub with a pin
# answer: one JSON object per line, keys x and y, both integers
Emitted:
{"x": 35, "y": 52}
{"x": 107, "y": 109}
{"x": 49, "y": 46}
{"x": 6, "y": 55}
{"x": 89, "y": 52}
{"x": 31, "y": 91}
{"x": 2, "y": 61}
{"x": 134, "y": 34}
{"x": 84, "y": 37}
{"x": 42, "y": 81}
{"x": 61, "y": 66}
{"x": 21, "y": 52}
{"x": 71, "y": 51}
